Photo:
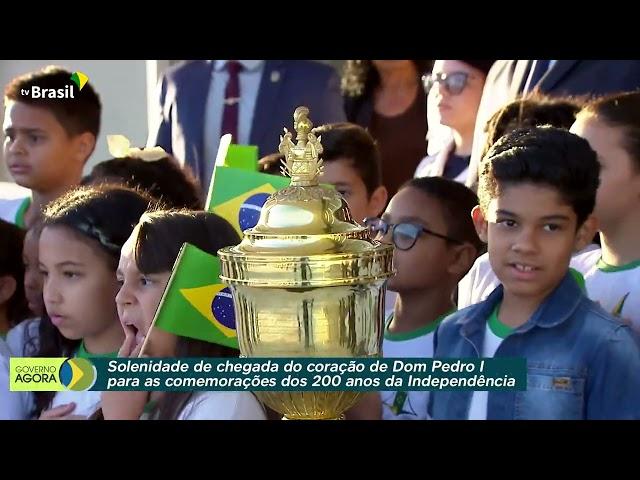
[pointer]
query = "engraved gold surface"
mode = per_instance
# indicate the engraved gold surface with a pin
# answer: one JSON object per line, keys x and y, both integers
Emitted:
{"x": 307, "y": 280}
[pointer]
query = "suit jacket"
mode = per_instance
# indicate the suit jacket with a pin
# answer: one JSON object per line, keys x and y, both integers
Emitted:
{"x": 507, "y": 78}
{"x": 183, "y": 90}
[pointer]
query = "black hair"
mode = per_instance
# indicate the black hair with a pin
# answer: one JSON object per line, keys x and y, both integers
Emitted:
{"x": 533, "y": 110}
{"x": 104, "y": 216}
{"x": 76, "y": 115}
{"x": 11, "y": 242}
{"x": 620, "y": 110}
{"x": 543, "y": 155}
{"x": 163, "y": 179}
{"x": 457, "y": 201}
{"x": 360, "y": 78}
{"x": 161, "y": 234}
{"x": 346, "y": 141}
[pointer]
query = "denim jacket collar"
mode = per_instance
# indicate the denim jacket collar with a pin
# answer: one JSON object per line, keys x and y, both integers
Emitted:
{"x": 555, "y": 309}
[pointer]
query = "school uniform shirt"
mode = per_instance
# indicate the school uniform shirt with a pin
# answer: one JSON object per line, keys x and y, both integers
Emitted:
{"x": 12, "y": 404}
{"x": 616, "y": 289}
{"x": 223, "y": 406}
{"x": 495, "y": 333}
{"x": 445, "y": 164}
{"x": 389, "y": 303}
{"x": 87, "y": 402}
{"x": 14, "y": 202}
{"x": 581, "y": 362}
{"x": 215, "y": 406}
{"x": 404, "y": 405}
{"x": 480, "y": 281}
{"x": 23, "y": 339}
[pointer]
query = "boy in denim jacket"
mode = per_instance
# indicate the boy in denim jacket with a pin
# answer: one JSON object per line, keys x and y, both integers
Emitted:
{"x": 537, "y": 192}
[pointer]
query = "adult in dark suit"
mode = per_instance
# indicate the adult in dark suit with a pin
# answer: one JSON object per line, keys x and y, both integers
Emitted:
{"x": 192, "y": 99}
{"x": 509, "y": 79}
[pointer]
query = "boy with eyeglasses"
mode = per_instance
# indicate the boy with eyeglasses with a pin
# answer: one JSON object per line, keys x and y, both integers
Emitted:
{"x": 435, "y": 243}
{"x": 454, "y": 89}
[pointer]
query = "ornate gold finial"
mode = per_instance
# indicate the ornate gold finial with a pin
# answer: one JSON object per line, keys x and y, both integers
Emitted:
{"x": 302, "y": 161}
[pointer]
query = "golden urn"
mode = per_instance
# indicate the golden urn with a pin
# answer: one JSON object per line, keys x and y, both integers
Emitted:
{"x": 307, "y": 280}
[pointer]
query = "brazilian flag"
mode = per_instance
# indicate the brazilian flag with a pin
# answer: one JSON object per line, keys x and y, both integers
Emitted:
{"x": 195, "y": 304}
{"x": 238, "y": 195}
{"x": 238, "y": 191}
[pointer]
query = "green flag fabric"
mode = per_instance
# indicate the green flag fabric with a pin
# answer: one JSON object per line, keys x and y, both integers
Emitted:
{"x": 238, "y": 195}
{"x": 195, "y": 304}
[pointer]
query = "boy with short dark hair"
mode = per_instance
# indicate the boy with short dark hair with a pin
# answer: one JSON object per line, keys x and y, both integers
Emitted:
{"x": 429, "y": 224}
{"x": 48, "y": 138}
{"x": 352, "y": 164}
{"x": 537, "y": 193}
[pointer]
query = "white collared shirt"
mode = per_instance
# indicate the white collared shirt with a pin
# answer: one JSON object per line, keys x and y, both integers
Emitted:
{"x": 250, "y": 78}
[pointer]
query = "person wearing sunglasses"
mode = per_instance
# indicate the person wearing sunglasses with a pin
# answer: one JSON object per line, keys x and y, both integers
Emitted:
{"x": 429, "y": 224}
{"x": 454, "y": 89}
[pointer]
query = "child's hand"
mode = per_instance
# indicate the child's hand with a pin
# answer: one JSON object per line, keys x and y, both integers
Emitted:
{"x": 123, "y": 405}
{"x": 129, "y": 348}
{"x": 72, "y": 417}
{"x": 136, "y": 351}
{"x": 58, "y": 413}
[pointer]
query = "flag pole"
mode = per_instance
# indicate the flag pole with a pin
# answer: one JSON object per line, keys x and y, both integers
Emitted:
{"x": 223, "y": 149}
{"x": 164, "y": 294}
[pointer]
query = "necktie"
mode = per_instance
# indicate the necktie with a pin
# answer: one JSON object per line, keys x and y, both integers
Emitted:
{"x": 231, "y": 100}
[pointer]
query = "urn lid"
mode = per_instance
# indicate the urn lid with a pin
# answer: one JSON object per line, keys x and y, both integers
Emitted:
{"x": 306, "y": 235}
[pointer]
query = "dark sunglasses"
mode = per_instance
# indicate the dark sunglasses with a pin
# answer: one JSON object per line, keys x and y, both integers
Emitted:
{"x": 454, "y": 82}
{"x": 403, "y": 235}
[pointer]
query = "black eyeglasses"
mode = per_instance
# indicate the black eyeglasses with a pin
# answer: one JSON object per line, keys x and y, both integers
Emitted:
{"x": 404, "y": 235}
{"x": 454, "y": 82}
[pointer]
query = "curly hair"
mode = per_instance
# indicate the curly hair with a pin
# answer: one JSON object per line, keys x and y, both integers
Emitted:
{"x": 360, "y": 77}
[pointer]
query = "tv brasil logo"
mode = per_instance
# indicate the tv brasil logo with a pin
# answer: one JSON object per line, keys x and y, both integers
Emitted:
{"x": 78, "y": 78}
{"x": 51, "y": 374}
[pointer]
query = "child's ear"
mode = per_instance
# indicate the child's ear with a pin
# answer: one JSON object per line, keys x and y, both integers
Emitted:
{"x": 585, "y": 233}
{"x": 480, "y": 222}
{"x": 463, "y": 259}
{"x": 7, "y": 288}
{"x": 378, "y": 201}
{"x": 85, "y": 144}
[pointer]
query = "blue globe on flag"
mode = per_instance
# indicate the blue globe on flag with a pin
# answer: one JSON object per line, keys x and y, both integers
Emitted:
{"x": 222, "y": 308}
{"x": 249, "y": 212}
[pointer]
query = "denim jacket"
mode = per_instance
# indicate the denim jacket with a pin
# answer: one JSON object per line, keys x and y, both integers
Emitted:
{"x": 582, "y": 363}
